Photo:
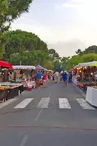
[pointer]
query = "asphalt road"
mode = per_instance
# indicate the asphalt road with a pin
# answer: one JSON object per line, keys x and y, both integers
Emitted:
{"x": 54, "y": 116}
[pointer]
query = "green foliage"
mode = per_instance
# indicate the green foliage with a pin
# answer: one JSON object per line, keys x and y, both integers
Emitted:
{"x": 57, "y": 65}
{"x": 53, "y": 54}
{"x": 91, "y": 49}
{"x": 48, "y": 65}
{"x": 64, "y": 62}
{"x": 2, "y": 46}
{"x": 21, "y": 41}
{"x": 80, "y": 59}
{"x": 29, "y": 58}
{"x": 88, "y": 57}
{"x": 74, "y": 60}
{"x": 10, "y": 10}
{"x": 79, "y": 52}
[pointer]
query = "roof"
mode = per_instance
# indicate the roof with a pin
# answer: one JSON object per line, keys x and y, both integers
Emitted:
{"x": 93, "y": 63}
{"x": 24, "y": 67}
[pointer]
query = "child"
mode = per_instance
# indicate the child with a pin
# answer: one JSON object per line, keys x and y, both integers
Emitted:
{"x": 44, "y": 80}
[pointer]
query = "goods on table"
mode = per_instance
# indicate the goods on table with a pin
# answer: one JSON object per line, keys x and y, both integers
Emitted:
{"x": 4, "y": 87}
{"x": 94, "y": 87}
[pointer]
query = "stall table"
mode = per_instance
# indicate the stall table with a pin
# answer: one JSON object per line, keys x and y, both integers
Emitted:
{"x": 91, "y": 96}
{"x": 3, "y": 95}
{"x": 14, "y": 90}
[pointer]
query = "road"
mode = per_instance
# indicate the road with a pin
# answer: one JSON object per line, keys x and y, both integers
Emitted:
{"x": 52, "y": 116}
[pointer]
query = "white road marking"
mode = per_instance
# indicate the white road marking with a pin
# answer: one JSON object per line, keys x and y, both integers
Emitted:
{"x": 84, "y": 104}
{"x": 24, "y": 103}
{"x": 64, "y": 104}
{"x": 38, "y": 114}
{"x": 44, "y": 102}
{"x": 7, "y": 102}
{"x": 24, "y": 140}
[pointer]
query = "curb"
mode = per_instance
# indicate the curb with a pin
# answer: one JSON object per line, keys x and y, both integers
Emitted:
{"x": 80, "y": 91}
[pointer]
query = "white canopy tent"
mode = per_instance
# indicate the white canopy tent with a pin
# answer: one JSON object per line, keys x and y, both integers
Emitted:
{"x": 86, "y": 64}
{"x": 24, "y": 67}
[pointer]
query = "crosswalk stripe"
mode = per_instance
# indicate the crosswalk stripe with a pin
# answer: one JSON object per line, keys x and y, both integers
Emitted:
{"x": 7, "y": 102}
{"x": 44, "y": 102}
{"x": 24, "y": 103}
{"x": 84, "y": 104}
{"x": 64, "y": 104}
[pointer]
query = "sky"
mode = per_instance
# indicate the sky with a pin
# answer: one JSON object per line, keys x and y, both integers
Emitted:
{"x": 65, "y": 25}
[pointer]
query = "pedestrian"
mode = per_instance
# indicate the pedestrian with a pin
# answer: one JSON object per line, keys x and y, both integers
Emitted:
{"x": 53, "y": 76}
{"x": 61, "y": 78}
{"x": 56, "y": 77}
{"x": 64, "y": 75}
{"x": 44, "y": 80}
{"x": 38, "y": 77}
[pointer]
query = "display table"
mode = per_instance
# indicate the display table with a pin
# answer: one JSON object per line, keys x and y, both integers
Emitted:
{"x": 3, "y": 95}
{"x": 91, "y": 96}
{"x": 13, "y": 90}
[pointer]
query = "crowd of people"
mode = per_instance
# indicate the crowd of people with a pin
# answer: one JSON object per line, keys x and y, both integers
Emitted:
{"x": 40, "y": 78}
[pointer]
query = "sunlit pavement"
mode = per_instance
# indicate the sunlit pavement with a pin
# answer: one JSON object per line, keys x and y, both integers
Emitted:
{"x": 52, "y": 116}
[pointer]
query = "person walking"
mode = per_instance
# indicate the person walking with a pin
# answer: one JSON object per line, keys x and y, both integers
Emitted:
{"x": 64, "y": 75}
{"x": 57, "y": 77}
{"x": 38, "y": 77}
{"x": 44, "y": 80}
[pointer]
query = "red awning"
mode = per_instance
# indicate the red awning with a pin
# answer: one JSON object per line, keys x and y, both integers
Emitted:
{"x": 4, "y": 64}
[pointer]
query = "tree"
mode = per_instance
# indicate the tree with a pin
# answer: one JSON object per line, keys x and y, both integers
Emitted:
{"x": 33, "y": 57}
{"x": 53, "y": 54}
{"x": 88, "y": 57}
{"x": 91, "y": 49}
{"x": 21, "y": 41}
{"x": 79, "y": 52}
{"x": 64, "y": 61}
{"x": 57, "y": 65}
{"x": 10, "y": 10}
{"x": 48, "y": 65}
{"x": 74, "y": 60}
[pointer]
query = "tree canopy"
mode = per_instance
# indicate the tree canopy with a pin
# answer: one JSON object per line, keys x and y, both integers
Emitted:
{"x": 27, "y": 48}
{"x": 74, "y": 60}
{"x": 91, "y": 49}
{"x": 88, "y": 55}
{"x": 21, "y": 41}
{"x": 10, "y": 10}
{"x": 53, "y": 54}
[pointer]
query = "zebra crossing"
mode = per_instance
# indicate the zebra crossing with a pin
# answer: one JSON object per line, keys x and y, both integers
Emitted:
{"x": 44, "y": 103}
{"x": 63, "y": 103}
{"x": 24, "y": 103}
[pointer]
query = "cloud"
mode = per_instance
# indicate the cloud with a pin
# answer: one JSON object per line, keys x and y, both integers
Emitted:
{"x": 66, "y": 5}
{"x": 69, "y": 5}
{"x": 68, "y": 48}
{"x": 73, "y": 25}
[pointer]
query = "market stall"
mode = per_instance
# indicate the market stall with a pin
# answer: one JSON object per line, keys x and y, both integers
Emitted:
{"x": 7, "y": 88}
{"x": 85, "y": 74}
{"x": 23, "y": 73}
